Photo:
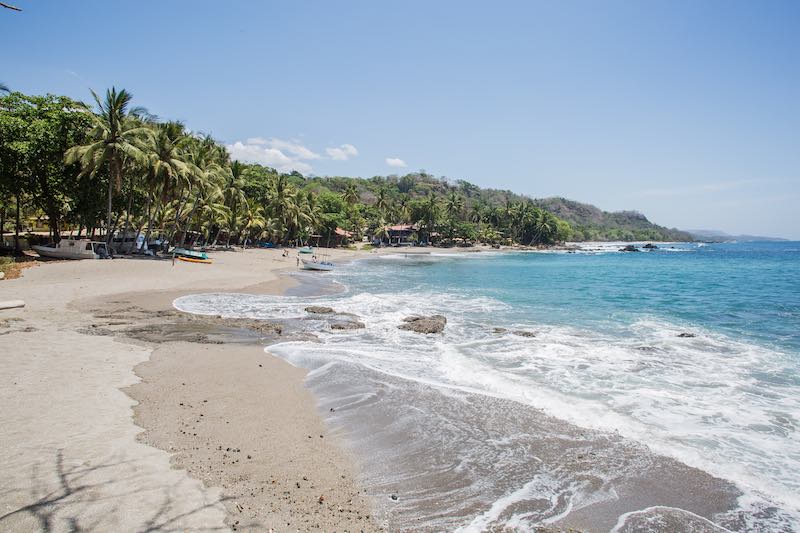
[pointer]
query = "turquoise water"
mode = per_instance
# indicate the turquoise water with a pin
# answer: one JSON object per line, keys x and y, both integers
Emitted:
{"x": 750, "y": 291}
{"x": 692, "y": 350}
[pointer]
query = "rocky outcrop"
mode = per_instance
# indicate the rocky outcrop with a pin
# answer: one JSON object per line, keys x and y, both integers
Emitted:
{"x": 424, "y": 324}
{"x": 517, "y": 332}
{"x": 650, "y": 246}
{"x": 347, "y": 325}
{"x": 629, "y": 248}
{"x": 687, "y": 335}
{"x": 319, "y": 310}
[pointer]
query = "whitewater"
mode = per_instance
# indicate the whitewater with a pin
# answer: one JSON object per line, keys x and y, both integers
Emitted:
{"x": 676, "y": 373}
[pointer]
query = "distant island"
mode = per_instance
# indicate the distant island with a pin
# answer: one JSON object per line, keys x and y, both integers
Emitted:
{"x": 114, "y": 171}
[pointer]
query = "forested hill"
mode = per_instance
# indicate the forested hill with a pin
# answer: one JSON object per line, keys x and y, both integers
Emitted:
{"x": 593, "y": 224}
{"x": 587, "y": 222}
{"x": 115, "y": 168}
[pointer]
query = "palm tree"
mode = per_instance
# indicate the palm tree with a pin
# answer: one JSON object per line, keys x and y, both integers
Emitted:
{"x": 166, "y": 167}
{"x": 454, "y": 205}
{"x": 233, "y": 196}
{"x": 382, "y": 201}
{"x": 403, "y": 209}
{"x": 115, "y": 136}
{"x": 430, "y": 212}
{"x": 350, "y": 194}
{"x": 4, "y": 88}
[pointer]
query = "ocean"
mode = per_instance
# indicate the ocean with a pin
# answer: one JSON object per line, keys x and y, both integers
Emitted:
{"x": 599, "y": 390}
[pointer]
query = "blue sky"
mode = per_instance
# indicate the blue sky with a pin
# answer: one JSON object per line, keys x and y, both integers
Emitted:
{"x": 688, "y": 111}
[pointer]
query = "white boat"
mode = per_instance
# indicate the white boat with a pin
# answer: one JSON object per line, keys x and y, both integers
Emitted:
{"x": 73, "y": 249}
{"x": 314, "y": 265}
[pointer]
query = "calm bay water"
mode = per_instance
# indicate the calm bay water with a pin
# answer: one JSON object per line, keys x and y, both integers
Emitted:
{"x": 690, "y": 350}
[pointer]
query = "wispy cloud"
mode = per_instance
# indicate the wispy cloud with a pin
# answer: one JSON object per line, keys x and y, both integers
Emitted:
{"x": 264, "y": 154}
{"x": 395, "y": 162}
{"x": 342, "y": 153}
{"x": 294, "y": 148}
{"x": 285, "y": 155}
{"x": 706, "y": 188}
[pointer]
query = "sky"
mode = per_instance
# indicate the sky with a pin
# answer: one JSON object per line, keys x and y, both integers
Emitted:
{"x": 687, "y": 111}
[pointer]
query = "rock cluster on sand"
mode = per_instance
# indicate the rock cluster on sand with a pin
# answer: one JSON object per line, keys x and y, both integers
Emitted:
{"x": 348, "y": 324}
{"x": 319, "y": 310}
{"x": 424, "y": 324}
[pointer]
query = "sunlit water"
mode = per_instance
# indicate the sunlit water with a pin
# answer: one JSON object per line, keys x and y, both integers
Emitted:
{"x": 692, "y": 350}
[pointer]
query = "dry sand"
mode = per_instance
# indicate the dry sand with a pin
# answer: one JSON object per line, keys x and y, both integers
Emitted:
{"x": 73, "y": 457}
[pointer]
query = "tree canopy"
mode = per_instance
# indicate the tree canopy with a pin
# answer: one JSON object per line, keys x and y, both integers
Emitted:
{"x": 112, "y": 167}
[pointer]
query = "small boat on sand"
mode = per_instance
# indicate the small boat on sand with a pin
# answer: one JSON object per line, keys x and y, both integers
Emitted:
{"x": 73, "y": 249}
{"x": 183, "y": 252}
{"x": 317, "y": 265}
{"x": 305, "y": 250}
{"x": 194, "y": 260}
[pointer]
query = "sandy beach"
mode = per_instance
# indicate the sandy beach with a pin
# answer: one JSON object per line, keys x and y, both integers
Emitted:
{"x": 120, "y": 413}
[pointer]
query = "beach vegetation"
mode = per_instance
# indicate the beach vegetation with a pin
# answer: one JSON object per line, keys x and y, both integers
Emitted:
{"x": 112, "y": 170}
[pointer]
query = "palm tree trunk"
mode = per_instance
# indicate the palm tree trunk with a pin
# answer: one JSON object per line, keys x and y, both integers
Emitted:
{"x": 219, "y": 229}
{"x": 128, "y": 220}
{"x": 189, "y": 218}
{"x": 17, "y": 249}
{"x": 115, "y": 176}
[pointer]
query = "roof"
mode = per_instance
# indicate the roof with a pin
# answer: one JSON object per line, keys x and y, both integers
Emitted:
{"x": 402, "y": 227}
{"x": 343, "y": 233}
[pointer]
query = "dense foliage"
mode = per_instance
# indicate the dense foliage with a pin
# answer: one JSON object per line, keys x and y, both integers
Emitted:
{"x": 115, "y": 166}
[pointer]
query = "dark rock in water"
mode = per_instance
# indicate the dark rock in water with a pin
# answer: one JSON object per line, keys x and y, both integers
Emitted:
{"x": 319, "y": 310}
{"x": 523, "y": 333}
{"x": 686, "y": 335}
{"x": 424, "y": 324}
{"x": 629, "y": 248}
{"x": 394, "y": 497}
{"x": 499, "y": 330}
{"x": 650, "y": 246}
{"x": 349, "y": 324}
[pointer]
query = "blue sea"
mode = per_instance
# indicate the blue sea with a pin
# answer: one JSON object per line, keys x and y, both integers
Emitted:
{"x": 599, "y": 389}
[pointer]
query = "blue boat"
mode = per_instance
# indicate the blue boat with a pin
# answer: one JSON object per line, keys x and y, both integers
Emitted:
{"x": 183, "y": 252}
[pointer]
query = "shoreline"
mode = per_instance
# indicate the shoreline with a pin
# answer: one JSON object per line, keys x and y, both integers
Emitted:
{"x": 251, "y": 430}
{"x": 85, "y": 311}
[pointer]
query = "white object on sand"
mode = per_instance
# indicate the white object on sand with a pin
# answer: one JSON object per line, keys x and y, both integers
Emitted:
{"x": 73, "y": 249}
{"x": 11, "y": 304}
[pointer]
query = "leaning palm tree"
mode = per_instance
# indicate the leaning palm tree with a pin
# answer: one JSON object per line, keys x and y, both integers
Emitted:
{"x": 115, "y": 135}
{"x": 4, "y": 88}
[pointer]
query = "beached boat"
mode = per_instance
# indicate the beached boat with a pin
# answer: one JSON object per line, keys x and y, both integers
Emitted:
{"x": 305, "y": 250}
{"x": 73, "y": 249}
{"x": 314, "y": 265}
{"x": 194, "y": 260}
{"x": 183, "y": 252}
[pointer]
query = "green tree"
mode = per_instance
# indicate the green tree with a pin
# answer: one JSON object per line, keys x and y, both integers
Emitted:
{"x": 113, "y": 140}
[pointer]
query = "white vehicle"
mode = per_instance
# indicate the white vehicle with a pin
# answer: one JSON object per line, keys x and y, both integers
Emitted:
{"x": 73, "y": 249}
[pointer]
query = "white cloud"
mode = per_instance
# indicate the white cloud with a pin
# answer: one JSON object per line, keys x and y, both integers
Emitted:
{"x": 281, "y": 155}
{"x": 395, "y": 162}
{"x": 342, "y": 153}
{"x": 285, "y": 155}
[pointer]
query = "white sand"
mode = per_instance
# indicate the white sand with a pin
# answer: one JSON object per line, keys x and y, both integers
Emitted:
{"x": 69, "y": 455}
